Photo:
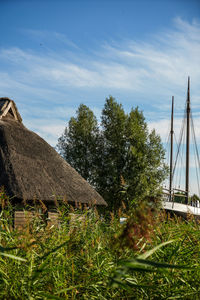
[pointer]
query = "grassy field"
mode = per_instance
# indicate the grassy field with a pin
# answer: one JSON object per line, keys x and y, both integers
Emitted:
{"x": 89, "y": 257}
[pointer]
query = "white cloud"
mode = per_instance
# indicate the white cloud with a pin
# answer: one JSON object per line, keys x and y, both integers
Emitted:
{"x": 153, "y": 70}
{"x": 162, "y": 63}
{"x": 48, "y": 128}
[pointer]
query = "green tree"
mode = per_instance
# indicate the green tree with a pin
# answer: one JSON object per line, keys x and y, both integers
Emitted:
{"x": 136, "y": 161}
{"x": 113, "y": 155}
{"x": 194, "y": 200}
{"x": 133, "y": 157}
{"x": 122, "y": 160}
{"x": 78, "y": 145}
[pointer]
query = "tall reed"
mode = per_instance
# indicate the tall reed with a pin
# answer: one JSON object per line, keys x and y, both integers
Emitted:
{"x": 89, "y": 257}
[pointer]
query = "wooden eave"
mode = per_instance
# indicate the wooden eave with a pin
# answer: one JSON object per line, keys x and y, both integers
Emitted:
{"x": 10, "y": 106}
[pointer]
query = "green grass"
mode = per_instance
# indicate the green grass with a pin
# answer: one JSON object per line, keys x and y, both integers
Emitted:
{"x": 150, "y": 257}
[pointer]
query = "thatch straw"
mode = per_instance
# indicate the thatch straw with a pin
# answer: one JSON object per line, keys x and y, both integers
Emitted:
{"x": 30, "y": 168}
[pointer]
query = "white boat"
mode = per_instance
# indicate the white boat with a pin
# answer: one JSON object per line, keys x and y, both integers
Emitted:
{"x": 180, "y": 209}
{"x": 180, "y": 203}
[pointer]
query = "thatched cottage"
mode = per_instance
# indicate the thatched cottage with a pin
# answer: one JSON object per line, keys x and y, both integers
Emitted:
{"x": 31, "y": 169}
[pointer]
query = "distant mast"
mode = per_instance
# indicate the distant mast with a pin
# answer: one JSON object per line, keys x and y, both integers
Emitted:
{"x": 171, "y": 151}
{"x": 187, "y": 144}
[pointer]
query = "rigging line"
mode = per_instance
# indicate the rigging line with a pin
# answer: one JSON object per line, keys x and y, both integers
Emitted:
{"x": 174, "y": 175}
{"x": 167, "y": 134}
{"x": 195, "y": 142}
{"x": 176, "y": 140}
{"x": 181, "y": 160}
{"x": 180, "y": 140}
{"x": 179, "y": 156}
{"x": 197, "y": 154}
{"x": 196, "y": 169}
{"x": 178, "y": 167}
{"x": 197, "y": 175}
{"x": 181, "y": 163}
{"x": 167, "y": 149}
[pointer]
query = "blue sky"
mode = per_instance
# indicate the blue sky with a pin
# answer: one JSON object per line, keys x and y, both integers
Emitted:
{"x": 55, "y": 55}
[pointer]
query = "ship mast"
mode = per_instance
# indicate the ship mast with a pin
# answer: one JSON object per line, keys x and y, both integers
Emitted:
{"x": 187, "y": 144}
{"x": 171, "y": 151}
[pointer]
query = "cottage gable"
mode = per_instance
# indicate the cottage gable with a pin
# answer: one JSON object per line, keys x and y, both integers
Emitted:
{"x": 31, "y": 169}
{"x": 8, "y": 110}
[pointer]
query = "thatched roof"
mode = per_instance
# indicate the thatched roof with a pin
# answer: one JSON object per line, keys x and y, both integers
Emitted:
{"x": 30, "y": 168}
{"x": 9, "y": 110}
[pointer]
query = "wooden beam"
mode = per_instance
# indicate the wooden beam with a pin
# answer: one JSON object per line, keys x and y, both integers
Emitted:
{"x": 6, "y": 110}
{"x": 14, "y": 111}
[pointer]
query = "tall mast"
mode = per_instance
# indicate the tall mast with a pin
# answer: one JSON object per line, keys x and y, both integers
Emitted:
{"x": 171, "y": 150}
{"x": 187, "y": 144}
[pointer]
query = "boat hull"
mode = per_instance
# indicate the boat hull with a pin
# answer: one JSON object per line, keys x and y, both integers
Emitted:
{"x": 181, "y": 209}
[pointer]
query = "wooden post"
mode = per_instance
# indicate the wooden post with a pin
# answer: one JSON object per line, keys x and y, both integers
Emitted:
{"x": 187, "y": 144}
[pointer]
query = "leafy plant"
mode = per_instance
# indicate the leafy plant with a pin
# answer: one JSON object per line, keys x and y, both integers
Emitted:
{"x": 85, "y": 257}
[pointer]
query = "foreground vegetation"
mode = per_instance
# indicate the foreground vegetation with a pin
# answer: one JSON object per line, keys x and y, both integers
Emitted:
{"x": 88, "y": 257}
